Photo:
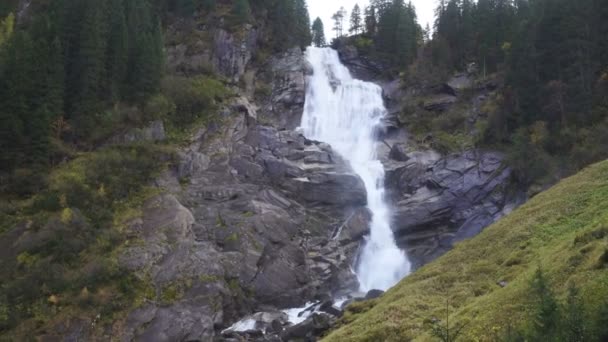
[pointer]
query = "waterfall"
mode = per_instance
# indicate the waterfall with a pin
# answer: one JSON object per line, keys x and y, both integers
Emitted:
{"x": 344, "y": 112}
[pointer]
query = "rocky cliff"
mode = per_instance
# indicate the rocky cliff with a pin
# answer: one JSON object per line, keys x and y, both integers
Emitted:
{"x": 255, "y": 218}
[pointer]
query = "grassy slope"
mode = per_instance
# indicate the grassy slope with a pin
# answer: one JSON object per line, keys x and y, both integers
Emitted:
{"x": 563, "y": 230}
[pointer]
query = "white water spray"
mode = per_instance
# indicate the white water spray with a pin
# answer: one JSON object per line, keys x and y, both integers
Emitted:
{"x": 344, "y": 113}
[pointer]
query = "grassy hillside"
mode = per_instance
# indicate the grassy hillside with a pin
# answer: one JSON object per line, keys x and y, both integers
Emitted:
{"x": 563, "y": 231}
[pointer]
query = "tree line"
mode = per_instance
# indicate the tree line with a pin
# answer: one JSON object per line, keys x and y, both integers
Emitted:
{"x": 387, "y": 27}
{"x": 554, "y": 58}
{"x": 72, "y": 60}
{"x": 66, "y": 67}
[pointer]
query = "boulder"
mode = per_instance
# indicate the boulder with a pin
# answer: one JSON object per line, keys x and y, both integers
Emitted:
{"x": 373, "y": 294}
{"x": 331, "y": 188}
{"x": 399, "y": 152}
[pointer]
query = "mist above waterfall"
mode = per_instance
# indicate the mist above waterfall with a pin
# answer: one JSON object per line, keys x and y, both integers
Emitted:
{"x": 344, "y": 112}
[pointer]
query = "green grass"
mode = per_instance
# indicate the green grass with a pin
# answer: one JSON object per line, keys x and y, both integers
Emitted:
{"x": 564, "y": 231}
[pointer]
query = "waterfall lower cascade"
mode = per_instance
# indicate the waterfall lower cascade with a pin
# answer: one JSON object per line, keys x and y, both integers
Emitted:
{"x": 344, "y": 112}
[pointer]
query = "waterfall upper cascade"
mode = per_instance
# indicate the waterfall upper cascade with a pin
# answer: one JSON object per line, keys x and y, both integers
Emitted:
{"x": 345, "y": 112}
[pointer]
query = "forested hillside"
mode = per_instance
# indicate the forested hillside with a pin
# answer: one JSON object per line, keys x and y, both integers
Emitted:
{"x": 80, "y": 80}
{"x": 73, "y": 70}
{"x": 549, "y": 57}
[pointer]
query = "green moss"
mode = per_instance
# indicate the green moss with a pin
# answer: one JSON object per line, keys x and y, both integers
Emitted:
{"x": 561, "y": 230}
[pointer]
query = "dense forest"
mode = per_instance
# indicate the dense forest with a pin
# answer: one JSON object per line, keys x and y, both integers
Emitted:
{"x": 551, "y": 115}
{"x": 73, "y": 73}
{"x": 69, "y": 73}
{"x": 553, "y": 110}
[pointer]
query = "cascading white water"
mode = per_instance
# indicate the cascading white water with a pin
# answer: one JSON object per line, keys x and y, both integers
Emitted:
{"x": 344, "y": 112}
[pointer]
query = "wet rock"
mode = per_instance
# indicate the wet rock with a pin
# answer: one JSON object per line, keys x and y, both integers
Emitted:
{"x": 399, "y": 152}
{"x": 355, "y": 227}
{"x": 331, "y": 188}
{"x": 312, "y": 327}
{"x": 373, "y": 294}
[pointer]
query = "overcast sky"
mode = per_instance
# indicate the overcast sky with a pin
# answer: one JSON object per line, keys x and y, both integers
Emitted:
{"x": 325, "y": 8}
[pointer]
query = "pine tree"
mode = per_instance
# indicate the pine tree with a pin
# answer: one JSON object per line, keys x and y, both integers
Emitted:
{"x": 90, "y": 66}
{"x": 301, "y": 24}
{"x": 546, "y": 318}
{"x": 117, "y": 54}
{"x": 355, "y": 20}
{"x": 573, "y": 325}
{"x": 370, "y": 20}
{"x": 338, "y": 19}
{"x": 318, "y": 33}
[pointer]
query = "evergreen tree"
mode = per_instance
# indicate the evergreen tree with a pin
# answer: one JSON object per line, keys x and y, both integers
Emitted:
{"x": 318, "y": 33}
{"x": 301, "y": 24}
{"x": 90, "y": 66}
{"x": 355, "y": 20}
{"x": 370, "y": 20}
{"x": 545, "y": 321}
{"x": 338, "y": 19}
{"x": 117, "y": 54}
{"x": 573, "y": 325}
{"x": 241, "y": 10}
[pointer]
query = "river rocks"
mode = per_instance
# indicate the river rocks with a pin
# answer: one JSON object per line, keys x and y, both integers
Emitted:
{"x": 308, "y": 330}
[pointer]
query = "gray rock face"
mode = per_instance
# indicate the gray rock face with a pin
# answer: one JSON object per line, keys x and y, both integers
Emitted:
{"x": 226, "y": 54}
{"x": 286, "y": 77}
{"x": 231, "y": 55}
{"x": 442, "y": 200}
{"x": 264, "y": 219}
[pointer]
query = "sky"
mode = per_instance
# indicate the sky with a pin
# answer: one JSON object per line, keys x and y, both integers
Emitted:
{"x": 326, "y": 8}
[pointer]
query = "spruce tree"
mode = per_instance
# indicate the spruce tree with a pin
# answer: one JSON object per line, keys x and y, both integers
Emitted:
{"x": 318, "y": 33}
{"x": 370, "y": 20}
{"x": 338, "y": 19}
{"x": 90, "y": 66}
{"x": 117, "y": 53}
{"x": 302, "y": 24}
{"x": 355, "y": 20}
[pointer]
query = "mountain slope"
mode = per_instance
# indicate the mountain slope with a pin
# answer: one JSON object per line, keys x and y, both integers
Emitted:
{"x": 563, "y": 231}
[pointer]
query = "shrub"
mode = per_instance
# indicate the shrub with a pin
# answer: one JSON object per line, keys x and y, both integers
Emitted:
{"x": 194, "y": 99}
